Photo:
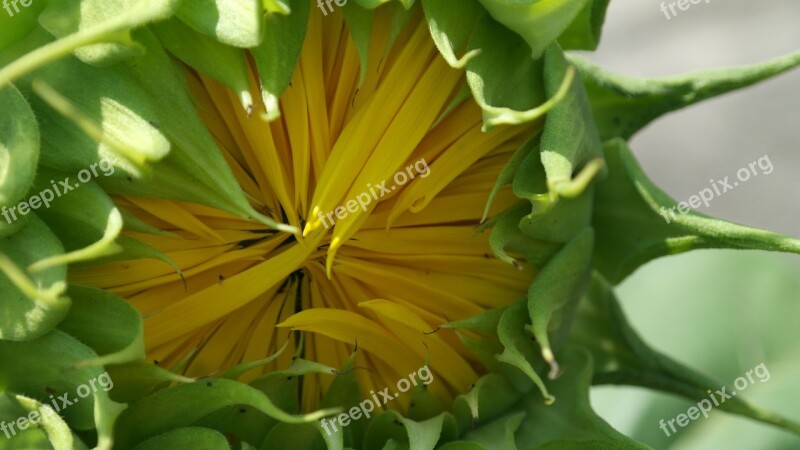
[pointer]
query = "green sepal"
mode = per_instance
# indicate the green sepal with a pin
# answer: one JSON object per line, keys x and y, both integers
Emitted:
{"x": 19, "y": 149}
{"x": 570, "y": 141}
{"x": 521, "y": 420}
{"x": 226, "y": 64}
{"x": 33, "y": 303}
{"x": 451, "y": 23}
{"x": 47, "y": 367}
{"x": 623, "y": 104}
{"x": 185, "y": 404}
{"x": 506, "y": 235}
{"x": 196, "y": 438}
{"x": 85, "y": 220}
{"x": 555, "y": 292}
{"x": 505, "y": 82}
{"x": 623, "y": 358}
{"x": 634, "y": 224}
{"x": 570, "y": 423}
{"x": 583, "y": 33}
{"x": 111, "y": 326}
{"x": 277, "y": 56}
{"x": 232, "y": 22}
{"x": 136, "y": 380}
{"x": 490, "y": 397}
{"x": 517, "y": 345}
{"x": 538, "y": 22}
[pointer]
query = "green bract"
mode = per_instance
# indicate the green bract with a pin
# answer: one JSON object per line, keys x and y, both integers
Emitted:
{"x": 86, "y": 81}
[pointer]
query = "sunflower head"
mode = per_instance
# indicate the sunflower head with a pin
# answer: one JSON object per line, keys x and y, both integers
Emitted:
{"x": 296, "y": 224}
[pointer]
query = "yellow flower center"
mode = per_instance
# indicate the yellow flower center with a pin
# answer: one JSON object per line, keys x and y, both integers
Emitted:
{"x": 383, "y": 273}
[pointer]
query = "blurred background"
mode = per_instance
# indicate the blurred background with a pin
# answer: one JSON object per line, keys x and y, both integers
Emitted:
{"x": 722, "y": 312}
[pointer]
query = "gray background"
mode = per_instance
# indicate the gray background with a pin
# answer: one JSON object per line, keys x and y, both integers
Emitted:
{"x": 713, "y": 139}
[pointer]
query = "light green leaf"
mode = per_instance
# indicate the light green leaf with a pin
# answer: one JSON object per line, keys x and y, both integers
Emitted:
{"x": 32, "y": 304}
{"x": 623, "y": 105}
{"x": 19, "y": 151}
{"x": 539, "y": 22}
{"x": 623, "y": 358}
{"x": 634, "y": 224}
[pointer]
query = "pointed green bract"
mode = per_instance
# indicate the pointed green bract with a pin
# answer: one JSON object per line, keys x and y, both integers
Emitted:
{"x": 515, "y": 342}
{"x": 570, "y": 141}
{"x": 58, "y": 433}
{"x": 558, "y": 286}
{"x": 226, "y": 64}
{"x": 136, "y": 380}
{"x": 507, "y": 84}
{"x": 570, "y": 422}
{"x": 451, "y": 23}
{"x": 359, "y": 22}
{"x": 108, "y": 324}
{"x": 277, "y": 55}
{"x": 85, "y": 219}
